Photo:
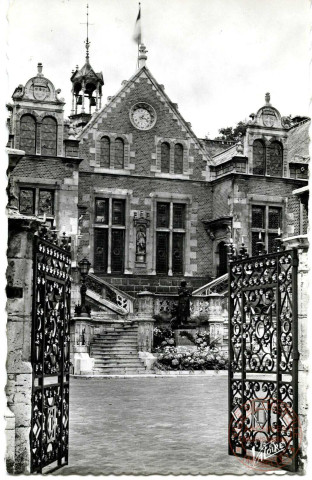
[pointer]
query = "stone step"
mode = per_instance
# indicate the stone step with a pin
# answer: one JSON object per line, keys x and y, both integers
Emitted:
{"x": 111, "y": 343}
{"x": 114, "y": 355}
{"x": 117, "y": 371}
{"x": 119, "y": 344}
{"x": 117, "y": 335}
{"x": 115, "y": 347}
{"x": 118, "y": 365}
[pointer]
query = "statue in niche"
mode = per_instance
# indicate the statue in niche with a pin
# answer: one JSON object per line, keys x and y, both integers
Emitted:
{"x": 141, "y": 243}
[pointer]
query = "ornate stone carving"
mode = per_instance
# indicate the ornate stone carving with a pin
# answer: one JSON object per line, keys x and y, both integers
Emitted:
{"x": 268, "y": 117}
{"x": 141, "y": 222}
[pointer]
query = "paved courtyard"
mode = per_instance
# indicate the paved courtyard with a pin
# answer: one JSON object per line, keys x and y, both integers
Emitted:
{"x": 144, "y": 426}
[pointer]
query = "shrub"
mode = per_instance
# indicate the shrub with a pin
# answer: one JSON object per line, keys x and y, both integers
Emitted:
{"x": 169, "y": 358}
{"x": 163, "y": 337}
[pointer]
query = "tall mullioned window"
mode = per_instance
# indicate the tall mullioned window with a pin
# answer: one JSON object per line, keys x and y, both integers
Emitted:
{"x": 49, "y": 136}
{"x": 170, "y": 237}
{"x": 275, "y": 160}
{"x": 266, "y": 223}
{"x": 109, "y": 235}
{"x": 258, "y": 157}
{"x": 28, "y": 134}
{"x": 37, "y": 201}
{"x": 267, "y": 160}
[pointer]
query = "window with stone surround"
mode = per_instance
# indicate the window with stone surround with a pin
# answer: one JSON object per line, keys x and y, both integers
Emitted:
{"x": 178, "y": 158}
{"x": 37, "y": 201}
{"x": 275, "y": 160}
{"x": 28, "y": 134}
{"x": 49, "y": 136}
{"x": 170, "y": 238}
{"x": 119, "y": 153}
{"x": 109, "y": 235}
{"x": 266, "y": 224}
{"x": 105, "y": 152}
{"x": 171, "y": 158}
{"x": 111, "y": 151}
{"x": 165, "y": 157}
{"x": 258, "y": 157}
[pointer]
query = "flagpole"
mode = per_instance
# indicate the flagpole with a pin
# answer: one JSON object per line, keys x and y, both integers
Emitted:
{"x": 139, "y": 37}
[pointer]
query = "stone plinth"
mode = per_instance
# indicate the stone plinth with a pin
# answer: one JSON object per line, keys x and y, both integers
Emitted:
{"x": 81, "y": 333}
{"x": 145, "y": 320}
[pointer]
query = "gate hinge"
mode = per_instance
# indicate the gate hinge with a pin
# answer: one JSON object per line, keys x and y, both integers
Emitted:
{"x": 296, "y": 355}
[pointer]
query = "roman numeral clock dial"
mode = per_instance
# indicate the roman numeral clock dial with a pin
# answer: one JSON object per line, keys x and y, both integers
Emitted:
{"x": 142, "y": 116}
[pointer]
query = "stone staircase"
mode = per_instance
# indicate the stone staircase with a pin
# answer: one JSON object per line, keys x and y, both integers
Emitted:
{"x": 115, "y": 350}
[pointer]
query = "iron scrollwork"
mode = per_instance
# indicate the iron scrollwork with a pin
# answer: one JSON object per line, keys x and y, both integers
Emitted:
{"x": 263, "y": 356}
{"x": 50, "y": 354}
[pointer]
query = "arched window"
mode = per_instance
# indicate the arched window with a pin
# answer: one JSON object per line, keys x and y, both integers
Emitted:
{"x": 119, "y": 153}
{"x": 275, "y": 160}
{"x": 48, "y": 136}
{"x": 258, "y": 157}
{"x": 178, "y": 158}
{"x": 223, "y": 258}
{"x": 105, "y": 152}
{"x": 165, "y": 157}
{"x": 28, "y": 134}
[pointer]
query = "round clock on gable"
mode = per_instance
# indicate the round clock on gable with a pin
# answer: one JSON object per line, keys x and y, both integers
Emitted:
{"x": 143, "y": 116}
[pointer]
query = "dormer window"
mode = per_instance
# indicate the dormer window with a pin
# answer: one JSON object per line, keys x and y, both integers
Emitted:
{"x": 267, "y": 159}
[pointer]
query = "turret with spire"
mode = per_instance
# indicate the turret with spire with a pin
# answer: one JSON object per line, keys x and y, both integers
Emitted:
{"x": 86, "y": 89}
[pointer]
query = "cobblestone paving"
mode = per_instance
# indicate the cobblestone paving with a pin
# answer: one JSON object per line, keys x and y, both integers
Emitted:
{"x": 145, "y": 426}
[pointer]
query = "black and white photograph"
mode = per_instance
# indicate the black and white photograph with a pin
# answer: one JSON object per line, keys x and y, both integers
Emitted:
{"x": 155, "y": 254}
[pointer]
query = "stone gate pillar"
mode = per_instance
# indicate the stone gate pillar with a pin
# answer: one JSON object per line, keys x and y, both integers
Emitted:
{"x": 19, "y": 327}
{"x": 302, "y": 245}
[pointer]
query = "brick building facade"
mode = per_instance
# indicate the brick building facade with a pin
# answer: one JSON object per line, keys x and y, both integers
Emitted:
{"x": 144, "y": 199}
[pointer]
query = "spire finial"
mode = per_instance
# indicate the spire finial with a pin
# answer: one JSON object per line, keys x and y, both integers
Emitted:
{"x": 142, "y": 55}
{"x": 87, "y": 43}
{"x": 267, "y": 98}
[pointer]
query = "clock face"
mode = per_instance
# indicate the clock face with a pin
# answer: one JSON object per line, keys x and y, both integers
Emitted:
{"x": 142, "y": 116}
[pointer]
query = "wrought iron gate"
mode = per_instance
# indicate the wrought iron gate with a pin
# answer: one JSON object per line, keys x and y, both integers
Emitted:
{"x": 50, "y": 353}
{"x": 263, "y": 359}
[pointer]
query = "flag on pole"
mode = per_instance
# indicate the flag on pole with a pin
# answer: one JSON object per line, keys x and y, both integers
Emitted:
{"x": 137, "y": 35}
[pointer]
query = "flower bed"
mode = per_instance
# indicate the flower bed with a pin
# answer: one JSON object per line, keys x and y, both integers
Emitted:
{"x": 171, "y": 358}
{"x": 206, "y": 356}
